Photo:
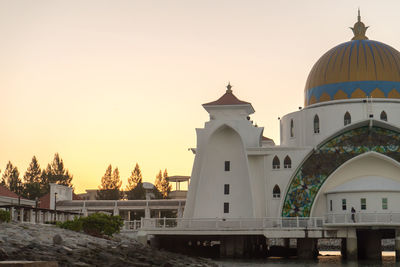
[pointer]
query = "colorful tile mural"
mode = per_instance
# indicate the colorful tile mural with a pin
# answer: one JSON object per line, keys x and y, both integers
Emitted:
{"x": 328, "y": 157}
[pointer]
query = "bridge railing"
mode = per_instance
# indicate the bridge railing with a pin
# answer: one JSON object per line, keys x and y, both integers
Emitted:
{"x": 229, "y": 223}
{"x": 264, "y": 223}
{"x": 363, "y": 218}
{"x": 132, "y": 225}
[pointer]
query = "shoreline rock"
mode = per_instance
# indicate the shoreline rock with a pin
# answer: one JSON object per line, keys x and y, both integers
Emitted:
{"x": 36, "y": 242}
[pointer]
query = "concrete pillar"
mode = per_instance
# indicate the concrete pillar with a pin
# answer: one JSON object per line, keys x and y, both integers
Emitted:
{"x": 21, "y": 214}
{"x": 129, "y": 215}
{"x": 147, "y": 212}
{"x": 369, "y": 244}
{"x": 229, "y": 247}
{"x": 239, "y": 246}
{"x": 397, "y": 244}
{"x": 47, "y": 216}
{"x": 141, "y": 237}
{"x": 351, "y": 245}
{"x": 116, "y": 211}
{"x": 180, "y": 212}
{"x": 39, "y": 216}
{"x": 307, "y": 248}
{"x": 343, "y": 250}
{"x": 12, "y": 210}
{"x": 32, "y": 216}
{"x": 286, "y": 242}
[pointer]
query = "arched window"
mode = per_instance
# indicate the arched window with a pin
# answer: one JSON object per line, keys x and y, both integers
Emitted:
{"x": 347, "y": 118}
{"x": 276, "y": 164}
{"x": 287, "y": 163}
{"x": 291, "y": 128}
{"x": 316, "y": 124}
{"x": 383, "y": 116}
{"x": 276, "y": 192}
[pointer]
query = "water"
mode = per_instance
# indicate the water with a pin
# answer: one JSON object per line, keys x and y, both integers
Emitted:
{"x": 328, "y": 258}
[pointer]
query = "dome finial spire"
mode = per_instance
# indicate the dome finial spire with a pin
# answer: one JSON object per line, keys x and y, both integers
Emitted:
{"x": 229, "y": 88}
{"x": 359, "y": 29}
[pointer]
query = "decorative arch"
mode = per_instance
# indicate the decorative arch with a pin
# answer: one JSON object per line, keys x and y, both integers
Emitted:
{"x": 316, "y": 124}
{"x": 276, "y": 164}
{"x": 383, "y": 115}
{"x": 326, "y": 158}
{"x": 347, "y": 118}
{"x": 287, "y": 162}
{"x": 276, "y": 192}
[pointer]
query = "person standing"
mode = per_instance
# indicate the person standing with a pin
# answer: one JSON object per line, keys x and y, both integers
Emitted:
{"x": 353, "y": 214}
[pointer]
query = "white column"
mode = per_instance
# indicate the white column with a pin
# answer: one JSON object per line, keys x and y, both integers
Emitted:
{"x": 21, "y": 214}
{"x": 31, "y": 216}
{"x": 12, "y": 214}
{"x": 147, "y": 213}
{"x": 351, "y": 244}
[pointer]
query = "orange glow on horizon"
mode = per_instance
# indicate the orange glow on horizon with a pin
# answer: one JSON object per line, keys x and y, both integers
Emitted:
{"x": 122, "y": 82}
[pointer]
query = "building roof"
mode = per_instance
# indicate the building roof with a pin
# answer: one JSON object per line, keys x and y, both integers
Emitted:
{"x": 5, "y": 192}
{"x": 367, "y": 184}
{"x": 227, "y": 99}
{"x": 178, "y": 178}
{"x": 355, "y": 69}
{"x": 147, "y": 185}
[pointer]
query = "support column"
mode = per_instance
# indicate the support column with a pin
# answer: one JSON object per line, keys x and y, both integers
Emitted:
{"x": 84, "y": 212}
{"x": 31, "y": 216}
{"x": 286, "y": 242}
{"x": 147, "y": 212}
{"x": 21, "y": 214}
{"x": 369, "y": 244}
{"x": 307, "y": 248}
{"x": 39, "y": 216}
{"x": 343, "y": 248}
{"x": 12, "y": 214}
{"x": 180, "y": 211}
{"x": 239, "y": 246}
{"x": 351, "y": 245}
{"x": 129, "y": 215}
{"x": 229, "y": 247}
{"x": 397, "y": 244}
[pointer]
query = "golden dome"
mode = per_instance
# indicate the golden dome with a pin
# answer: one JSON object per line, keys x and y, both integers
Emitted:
{"x": 355, "y": 69}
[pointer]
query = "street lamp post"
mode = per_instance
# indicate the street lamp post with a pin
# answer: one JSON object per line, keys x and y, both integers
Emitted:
{"x": 55, "y": 206}
{"x": 19, "y": 192}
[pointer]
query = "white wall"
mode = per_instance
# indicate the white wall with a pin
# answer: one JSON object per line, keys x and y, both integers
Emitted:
{"x": 225, "y": 144}
{"x": 373, "y": 200}
{"x": 367, "y": 164}
{"x": 331, "y": 119}
{"x": 63, "y": 193}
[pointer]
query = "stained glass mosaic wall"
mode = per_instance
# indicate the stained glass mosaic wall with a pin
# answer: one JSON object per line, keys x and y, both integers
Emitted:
{"x": 331, "y": 155}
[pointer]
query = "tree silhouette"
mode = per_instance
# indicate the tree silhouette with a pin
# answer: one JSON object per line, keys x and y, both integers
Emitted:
{"x": 162, "y": 185}
{"x": 11, "y": 178}
{"x": 135, "y": 189}
{"x": 110, "y": 185}
{"x": 55, "y": 173}
{"x": 32, "y": 180}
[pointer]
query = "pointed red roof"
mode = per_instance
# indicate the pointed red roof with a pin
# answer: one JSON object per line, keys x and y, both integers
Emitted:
{"x": 227, "y": 99}
{"x": 4, "y": 192}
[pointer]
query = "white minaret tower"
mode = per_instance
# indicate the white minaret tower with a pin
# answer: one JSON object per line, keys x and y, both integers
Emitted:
{"x": 220, "y": 183}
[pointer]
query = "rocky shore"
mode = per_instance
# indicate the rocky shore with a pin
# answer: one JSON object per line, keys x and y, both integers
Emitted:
{"x": 68, "y": 248}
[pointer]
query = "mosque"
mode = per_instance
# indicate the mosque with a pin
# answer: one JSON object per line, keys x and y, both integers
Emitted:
{"x": 338, "y": 156}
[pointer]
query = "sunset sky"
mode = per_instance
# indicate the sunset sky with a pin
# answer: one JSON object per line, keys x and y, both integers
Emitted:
{"x": 122, "y": 82}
